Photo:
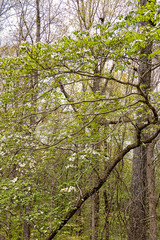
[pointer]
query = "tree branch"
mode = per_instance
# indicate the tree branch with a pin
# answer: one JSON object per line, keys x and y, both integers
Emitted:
{"x": 100, "y": 183}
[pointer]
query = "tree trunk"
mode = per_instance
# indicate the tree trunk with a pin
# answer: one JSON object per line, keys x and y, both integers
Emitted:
{"x": 38, "y": 22}
{"x": 95, "y": 215}
{"x": 26, "y": 229}
{"x": 152, "y": 202}
{"x": 138, "y": 210}
{"x": 106, "y": 215}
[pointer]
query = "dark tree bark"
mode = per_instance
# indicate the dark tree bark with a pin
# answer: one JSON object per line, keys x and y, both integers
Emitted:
{"x": 26, "y": 229}
{"x": 107, "y": 215}
{"x": 152, "y": 201}
{"x": 38, "y": 22}
{"x": 95, "y": 215}
{"x": 138, "y": 209}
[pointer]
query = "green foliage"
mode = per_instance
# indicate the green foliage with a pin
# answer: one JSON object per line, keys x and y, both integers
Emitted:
{"x": 59, "y": 131}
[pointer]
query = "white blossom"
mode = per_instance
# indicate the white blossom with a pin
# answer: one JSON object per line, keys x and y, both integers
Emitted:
{"x": 22, "y": 164}
{"x": 96, "y": 153}
{"x": 72, "y": 158}
{"x": 69, "y": 166}
{"x": 14, "y": 179}
{"x": 32, "y": 164}
{"x": 68, "y": 189}
{"x": 2, "y": 153}
{"x": 83, "y": 157}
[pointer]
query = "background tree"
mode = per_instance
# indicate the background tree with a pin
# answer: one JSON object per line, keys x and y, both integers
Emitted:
{"x": 65, "y": 127}
{"x": 138, "y": 209}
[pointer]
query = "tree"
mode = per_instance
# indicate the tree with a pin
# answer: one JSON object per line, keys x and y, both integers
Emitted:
{"x": 59, "y": 152}
{"x": 138, "y": 209}
{"x": 152, "y": 200}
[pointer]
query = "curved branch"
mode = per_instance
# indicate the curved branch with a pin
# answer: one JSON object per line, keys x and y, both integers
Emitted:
{"x": 100, "y": 183}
